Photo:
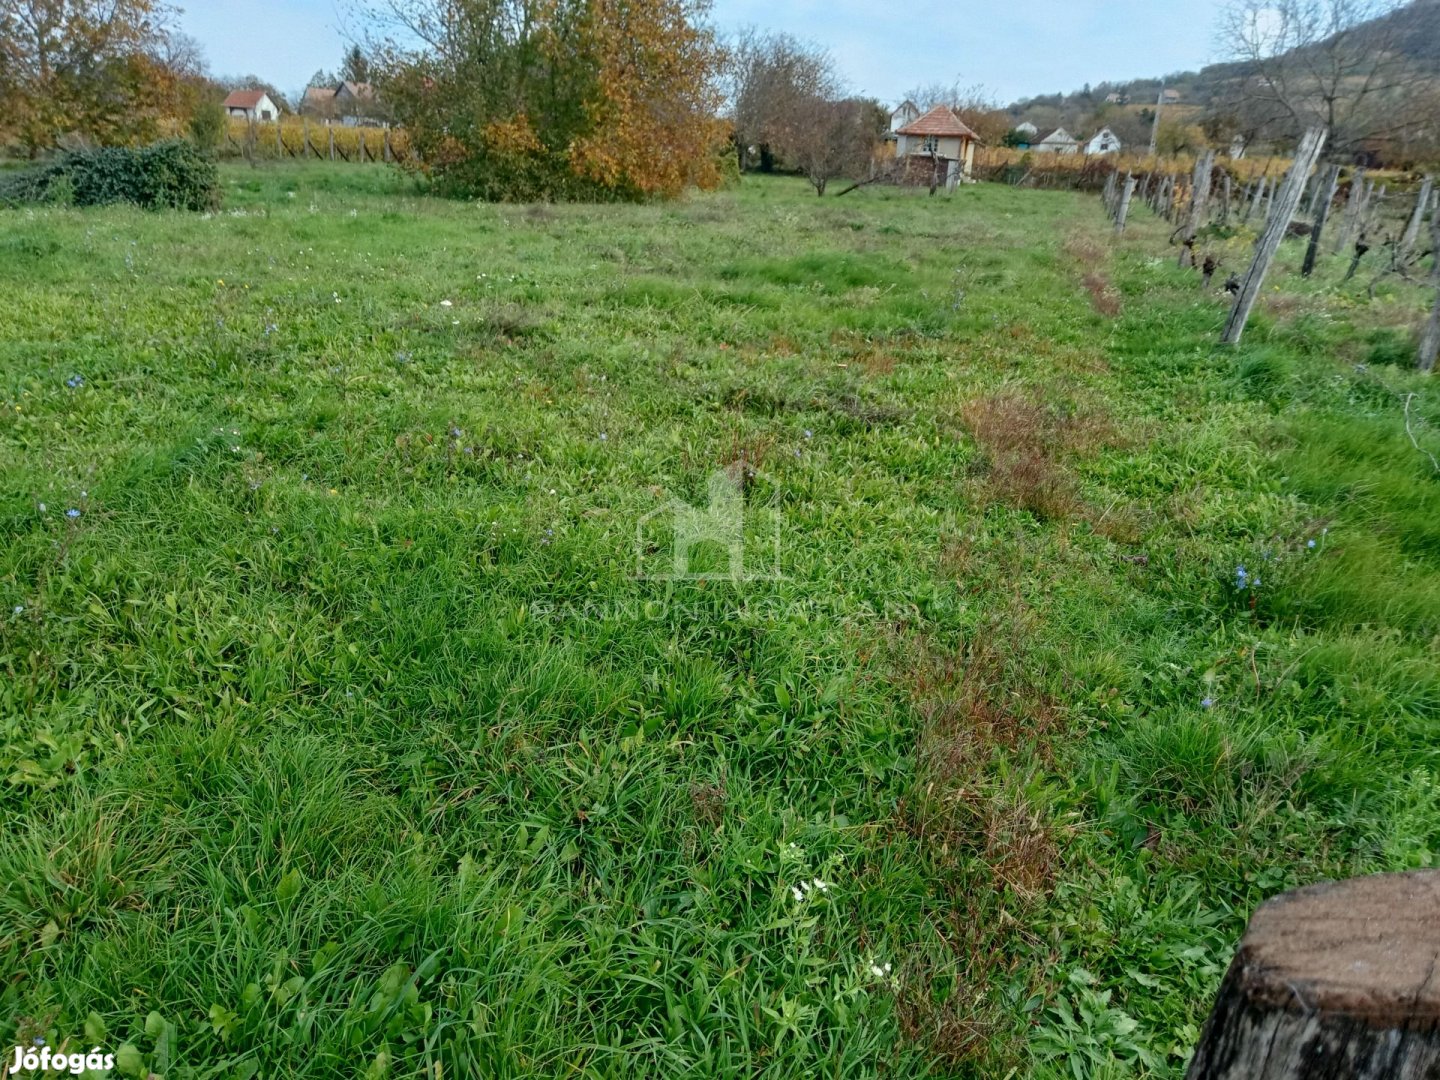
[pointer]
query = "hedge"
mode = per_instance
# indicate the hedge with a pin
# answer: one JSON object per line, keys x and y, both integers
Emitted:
{"x": 166, "y": 175}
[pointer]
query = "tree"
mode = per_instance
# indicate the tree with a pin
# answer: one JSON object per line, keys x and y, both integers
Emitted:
{"x": 770, "y": 79}
{"x": 1339, "y": 64}
{"x": 92, "y": 67}
{"x": 525, "y": 99}
{"x": 355, "y": 67}
{"x": 830, "y": 139}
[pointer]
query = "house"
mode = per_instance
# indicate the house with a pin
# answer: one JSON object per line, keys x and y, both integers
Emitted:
{"x": 907, "y": 112}
{"x": 1117, "y": 99}
{"x": 319, "y": 102}
{"x": 1103, "y": 141}
{"x": 1022, "y": 135}
{"x": 250, "y": 105}
{"x": 1058, "y": 141}
{"x": 1170, "y": 97}
{"x": 939, "y": 135}
{"x": 355, "y": 103}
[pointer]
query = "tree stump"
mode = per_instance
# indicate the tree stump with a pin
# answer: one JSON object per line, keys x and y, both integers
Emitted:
{"x": 1335, "y": 980}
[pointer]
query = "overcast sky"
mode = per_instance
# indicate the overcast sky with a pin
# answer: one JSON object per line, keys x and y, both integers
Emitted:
{"x": 1014, "y": 48}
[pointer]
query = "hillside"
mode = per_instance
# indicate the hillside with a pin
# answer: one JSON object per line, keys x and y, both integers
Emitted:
{"x": 1217, "y": 93}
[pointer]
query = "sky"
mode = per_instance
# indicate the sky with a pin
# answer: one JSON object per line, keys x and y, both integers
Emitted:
{"x": 1013, "y": 48}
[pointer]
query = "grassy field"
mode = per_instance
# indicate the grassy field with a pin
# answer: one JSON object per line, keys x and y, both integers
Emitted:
{"x": 350, "y": 727}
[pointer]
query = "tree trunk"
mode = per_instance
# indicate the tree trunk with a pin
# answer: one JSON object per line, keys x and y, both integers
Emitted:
{"x": 1335, "y": 981}
{"x": 1282, "y": 209}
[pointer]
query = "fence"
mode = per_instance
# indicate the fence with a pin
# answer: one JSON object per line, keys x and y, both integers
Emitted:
{"x": 299, "y": 139}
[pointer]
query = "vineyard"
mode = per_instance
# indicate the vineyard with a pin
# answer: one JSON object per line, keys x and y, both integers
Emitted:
{"x": 296, "y": 137}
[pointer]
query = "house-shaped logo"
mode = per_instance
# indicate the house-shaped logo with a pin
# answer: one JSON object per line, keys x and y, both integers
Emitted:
{"x": 736, "y": 536}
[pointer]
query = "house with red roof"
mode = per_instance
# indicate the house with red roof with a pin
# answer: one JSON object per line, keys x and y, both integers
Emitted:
{"x": 939, "y": 135}
{"x": 250, "y": 105}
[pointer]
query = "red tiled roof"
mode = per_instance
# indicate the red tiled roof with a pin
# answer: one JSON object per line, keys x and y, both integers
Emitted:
{"x": 938, "y": 121}
{"x": 243, "y": 99}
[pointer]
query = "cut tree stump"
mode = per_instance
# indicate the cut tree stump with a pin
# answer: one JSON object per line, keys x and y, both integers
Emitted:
{"x": 1335, "y": 980}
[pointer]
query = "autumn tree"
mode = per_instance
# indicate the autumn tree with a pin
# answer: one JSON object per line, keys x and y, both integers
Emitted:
{"x": 525, "y": 99}
{"x": 96, "y": 68}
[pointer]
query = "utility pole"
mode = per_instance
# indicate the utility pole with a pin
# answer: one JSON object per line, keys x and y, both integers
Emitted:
{"x": 1155, "y": 126}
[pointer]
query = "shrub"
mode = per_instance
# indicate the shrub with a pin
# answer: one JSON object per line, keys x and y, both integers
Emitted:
{"x": 207, "y": 126}
{"x": 167, "y": 175}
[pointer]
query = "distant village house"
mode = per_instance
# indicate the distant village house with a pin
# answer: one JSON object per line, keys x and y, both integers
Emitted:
{"x": 1103, "y": 141}
{"x": 250, "y": 105}
{"x": 1058, "y": 141}
{"x": 351, "y": 103}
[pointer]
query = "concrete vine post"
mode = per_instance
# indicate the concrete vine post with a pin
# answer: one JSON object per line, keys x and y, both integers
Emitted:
{"x": 1417, "y": 218}
{"x": 1282, "y": 209}
{"x": 1125, "y": 196}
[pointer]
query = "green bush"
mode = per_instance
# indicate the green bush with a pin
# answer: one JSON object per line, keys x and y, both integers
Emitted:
{"x": 166, "y": 175}
{"x": 207, "y": 126}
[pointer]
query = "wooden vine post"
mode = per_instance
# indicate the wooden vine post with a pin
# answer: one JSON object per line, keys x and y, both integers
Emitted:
{"x": 1325, "y": 185}
{"x": 1335, "y": 981}
{"x": 1282, "y": 209}
{"x": 1430, "y": 336}
{"x": 1199, "y": 205}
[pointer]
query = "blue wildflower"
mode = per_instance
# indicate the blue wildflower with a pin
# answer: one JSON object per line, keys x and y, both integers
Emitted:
{"x": 1206, "y": 702}
{"x": 72, "y": 513}
{"x": 1310, "y": 543}
{"x": 809, "y": 434}
{"x": 75, "y": 382}
{"x": 1242, "y": 578}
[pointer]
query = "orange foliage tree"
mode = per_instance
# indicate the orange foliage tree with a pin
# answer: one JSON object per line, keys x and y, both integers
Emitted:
{"x": 92, "y": 68}
{"x": 549, "y": 99}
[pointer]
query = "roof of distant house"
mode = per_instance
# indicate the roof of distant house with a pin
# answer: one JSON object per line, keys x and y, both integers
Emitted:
{"x": 938, "y": 121}
{"x": 356, "y": 89}
{"x": 243, "y": 99}
{"x": 1059, "y": 135}
{"x": 319, "y": 93}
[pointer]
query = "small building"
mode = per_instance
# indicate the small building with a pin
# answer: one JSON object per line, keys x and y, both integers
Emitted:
{"x": 1117, "y": 99}
{"x": 1103, "y": 141}
{"x": 1170, "y": 97}
{"x": 939, "y": 135}
{"x": 1058, "y": 141}
{"x": 250, "y": 105}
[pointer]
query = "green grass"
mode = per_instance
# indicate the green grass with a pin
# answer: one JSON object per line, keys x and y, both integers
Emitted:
{"x": 339, "y": 736}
